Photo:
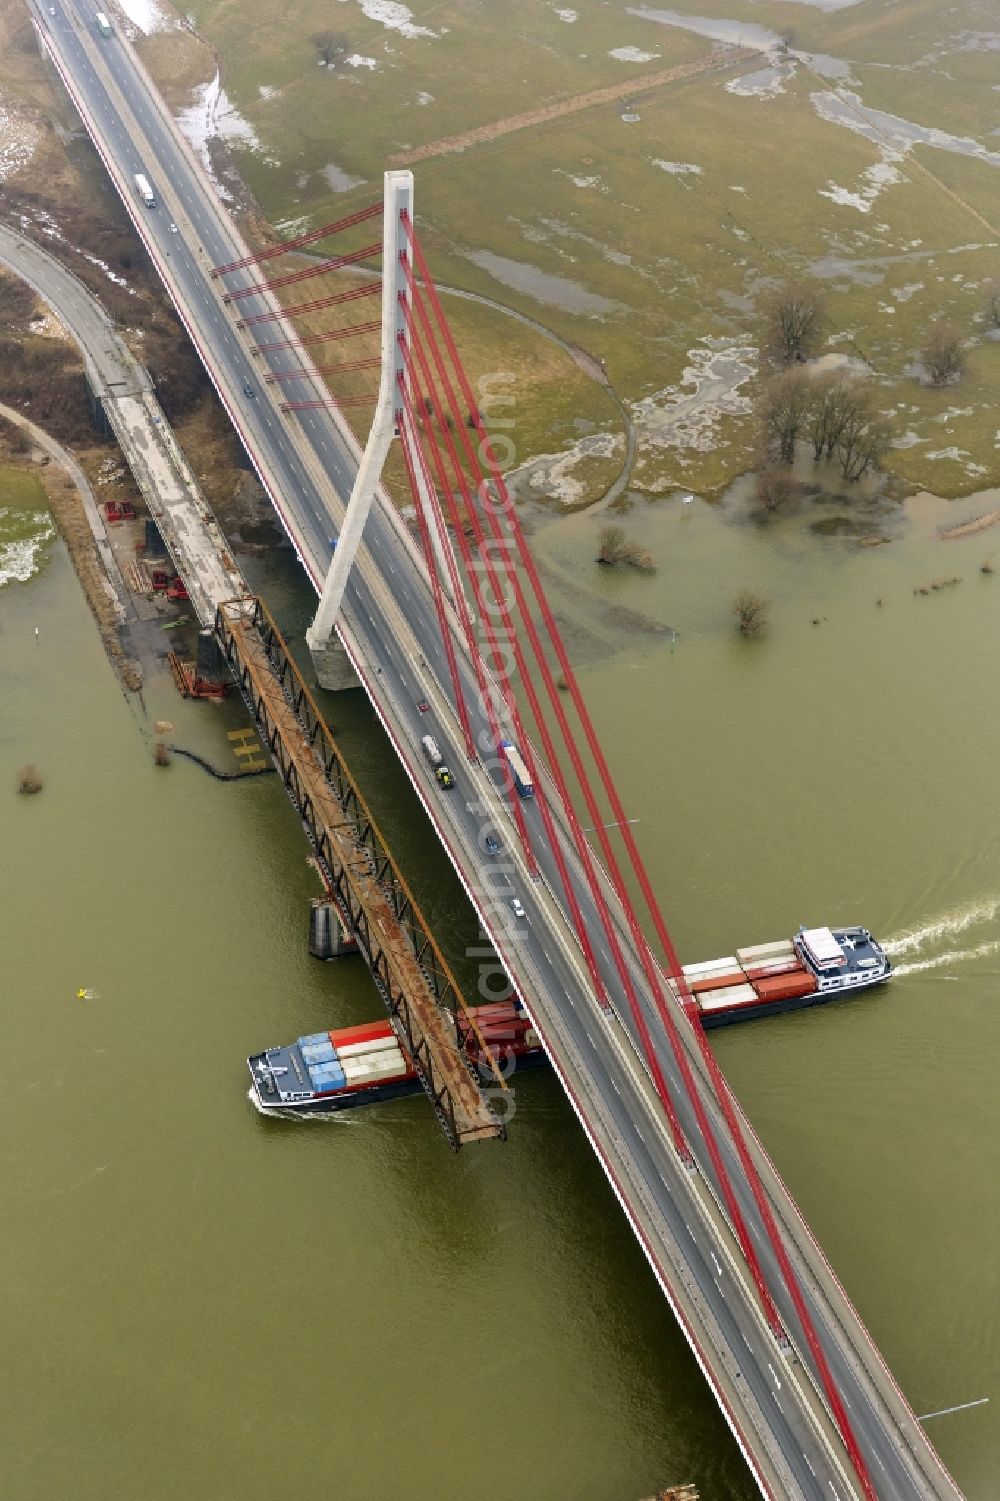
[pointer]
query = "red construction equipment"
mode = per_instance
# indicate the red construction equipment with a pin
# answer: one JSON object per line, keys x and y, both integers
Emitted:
{"x": 189, "y": 684}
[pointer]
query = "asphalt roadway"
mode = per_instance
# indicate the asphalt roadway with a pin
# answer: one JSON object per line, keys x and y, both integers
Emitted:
{"x": 767, "y": 1393}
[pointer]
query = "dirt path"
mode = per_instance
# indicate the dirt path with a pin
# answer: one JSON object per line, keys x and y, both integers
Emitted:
{"x": 718, "y": 59}
{"x": 75, "y": 511}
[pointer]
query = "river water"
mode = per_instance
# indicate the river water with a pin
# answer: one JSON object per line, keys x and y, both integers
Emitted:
{"x": 202, "y": 1301}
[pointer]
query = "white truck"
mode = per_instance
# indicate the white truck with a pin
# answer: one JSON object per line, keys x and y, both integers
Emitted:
{"x": 103, "y": 24}
{"x": 144, "y": 190}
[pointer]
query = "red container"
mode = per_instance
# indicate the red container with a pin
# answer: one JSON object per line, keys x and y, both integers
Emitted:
{"x": 500, "y": 1033}
{"x": 718, "y": 982}
{"x": 364, "y": 1033}
{"x": 776, "y": 967}
{"x": 786, "y": 987}
{"x": 497, "y": 1010}
{"x": 489, "y": 1018}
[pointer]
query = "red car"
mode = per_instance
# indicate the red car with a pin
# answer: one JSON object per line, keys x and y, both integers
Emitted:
{"x": 423, "y": 707}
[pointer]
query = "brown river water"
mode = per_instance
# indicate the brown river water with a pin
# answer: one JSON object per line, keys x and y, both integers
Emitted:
{"x": 202, "y": 1302}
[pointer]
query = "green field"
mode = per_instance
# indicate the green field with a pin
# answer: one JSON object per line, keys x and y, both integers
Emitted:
{"x": 586, "y": 224}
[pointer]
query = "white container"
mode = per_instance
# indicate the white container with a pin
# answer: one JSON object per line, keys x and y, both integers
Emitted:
{"x": 752, "y": 958}
{"x": 371, "y": 1063}
{"x": 387, "y": 1068}
{"x": 711, "y": 967}
{"x": 721, "y": 1000}
{"x": 370, "y": 1045}
{"x": 785, "y": 965}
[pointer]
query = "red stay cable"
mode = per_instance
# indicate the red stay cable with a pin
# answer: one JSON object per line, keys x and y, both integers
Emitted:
{"x": 663, "y": 1005}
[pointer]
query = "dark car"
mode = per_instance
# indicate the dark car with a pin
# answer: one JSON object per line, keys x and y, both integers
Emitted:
{"x": 248, "y": 389}
{"x": 492, "y": 845}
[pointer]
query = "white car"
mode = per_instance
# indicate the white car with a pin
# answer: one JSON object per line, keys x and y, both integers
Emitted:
{"x": 173, "y": 229}
{"x": 516, "y": 908}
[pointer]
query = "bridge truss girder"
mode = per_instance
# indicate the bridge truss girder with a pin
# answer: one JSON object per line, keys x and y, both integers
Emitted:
{"x": 351, "y": 855}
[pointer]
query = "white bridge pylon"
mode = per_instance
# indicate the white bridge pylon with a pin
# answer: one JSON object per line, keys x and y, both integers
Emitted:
{"x": 397, "y": 211}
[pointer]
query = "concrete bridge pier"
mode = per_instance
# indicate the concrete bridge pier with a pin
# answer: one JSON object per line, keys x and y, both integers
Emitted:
{"x": 210, "y": 665}
{"x": 333, "y": 666}
{"x": 329, "y": 935}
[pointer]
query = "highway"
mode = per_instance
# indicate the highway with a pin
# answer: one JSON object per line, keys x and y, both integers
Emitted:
{"x": 307, "y": 462}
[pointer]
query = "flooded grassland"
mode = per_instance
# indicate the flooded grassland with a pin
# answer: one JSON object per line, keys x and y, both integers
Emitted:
{"x": 646, "y": 232}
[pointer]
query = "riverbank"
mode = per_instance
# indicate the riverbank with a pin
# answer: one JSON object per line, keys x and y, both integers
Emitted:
{"x": 76, "y": 514}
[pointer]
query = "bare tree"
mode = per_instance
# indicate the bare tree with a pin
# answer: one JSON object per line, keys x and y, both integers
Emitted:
{"x": 794, "y": 317}
{"x": 991, "y": 307}
{"x": 864, "y": 441}
{"x": 776, "y": 487}
{"x": 943, "y": 356}
{"x": 750, "y": 610}
{"x": 834, "y": 400}
{"x": 330, "y": 45}
{"x": 611, "y": 544}
{"x": 787, "y": 400}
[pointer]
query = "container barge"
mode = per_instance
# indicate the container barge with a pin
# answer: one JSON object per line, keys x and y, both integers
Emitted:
{"x": 817, "y": 965}
{"x": 353, "y": 1066}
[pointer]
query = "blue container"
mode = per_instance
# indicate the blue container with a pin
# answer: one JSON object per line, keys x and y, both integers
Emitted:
{"x": 314, "y": 1039}
{"x": 317, "y": 1052}
{"x": 326, "y": 1076}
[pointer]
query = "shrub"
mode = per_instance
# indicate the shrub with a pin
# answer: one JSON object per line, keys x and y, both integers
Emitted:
{"x": 942, "y": 354}
{"x": 750, "y": 610}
